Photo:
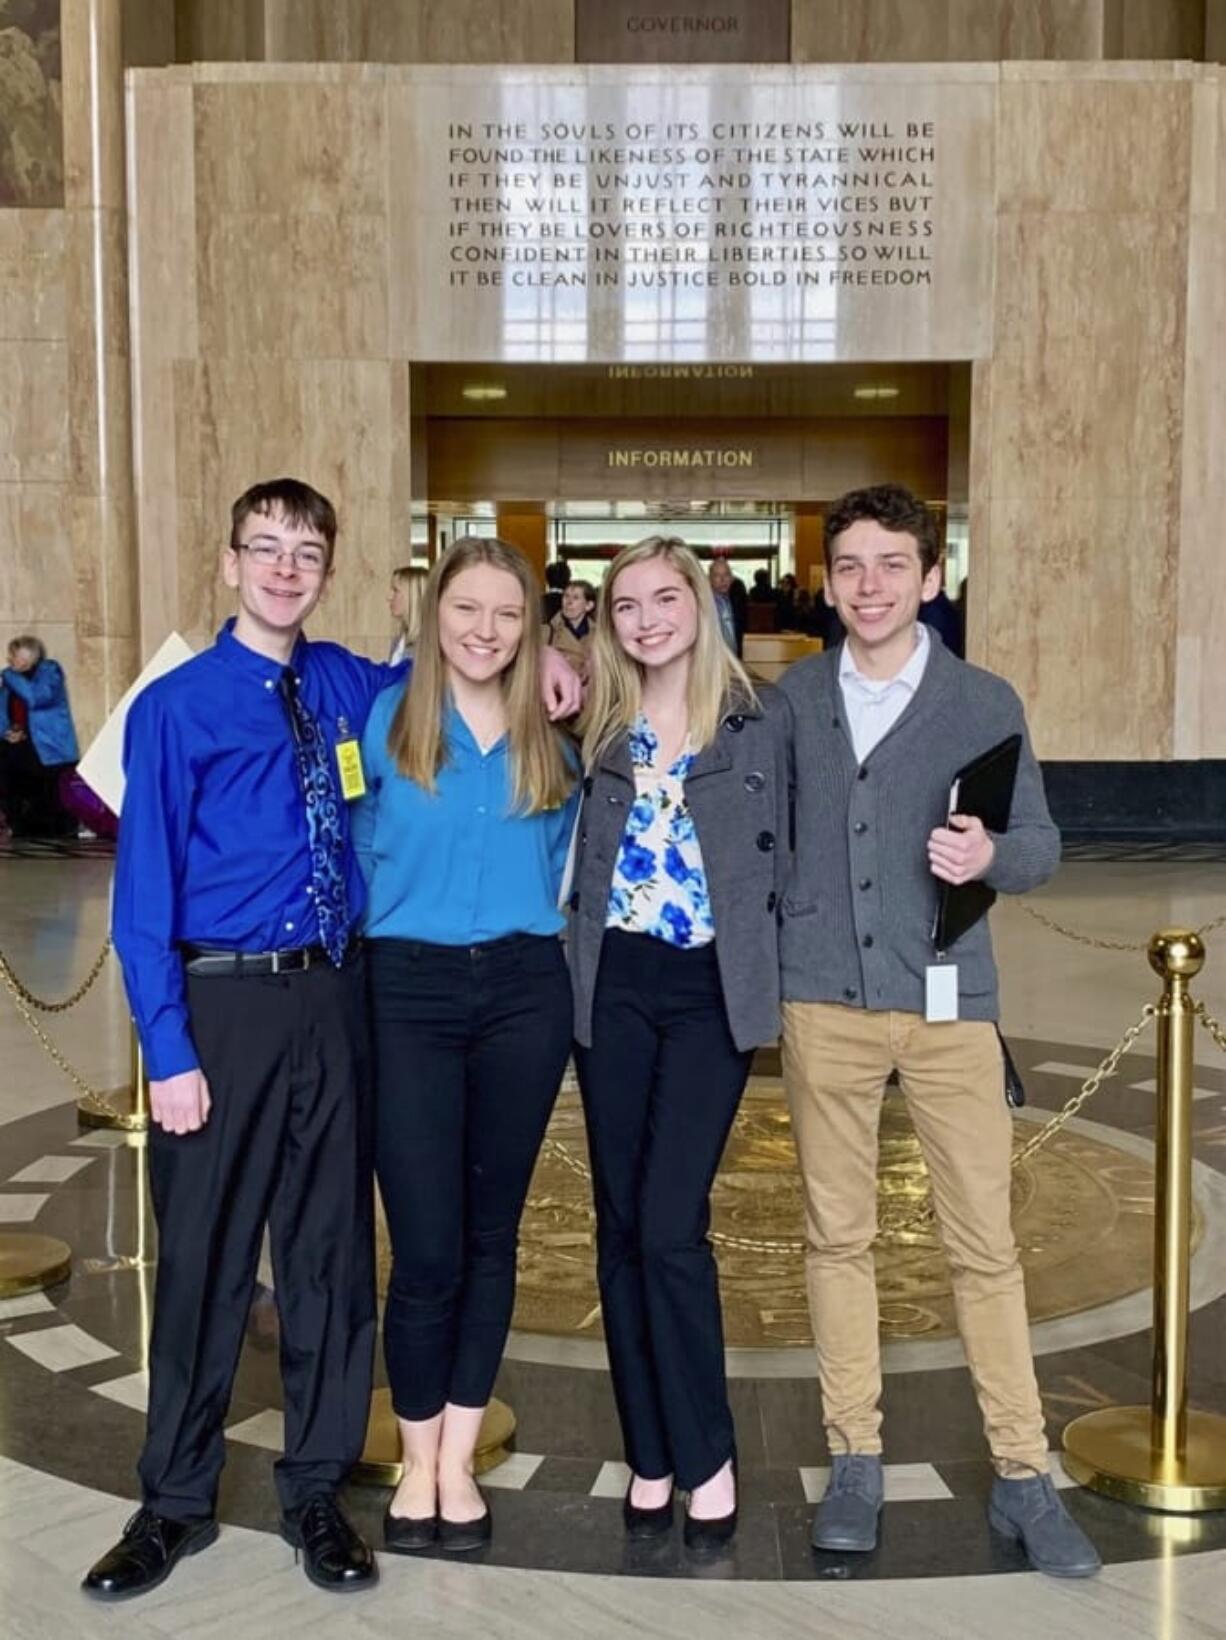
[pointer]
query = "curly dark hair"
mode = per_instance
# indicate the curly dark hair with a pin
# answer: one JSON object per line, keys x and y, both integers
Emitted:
{"x": 894, "y": 508}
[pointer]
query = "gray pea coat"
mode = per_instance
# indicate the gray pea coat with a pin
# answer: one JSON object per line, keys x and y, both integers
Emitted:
{"x": 739, "y": 790}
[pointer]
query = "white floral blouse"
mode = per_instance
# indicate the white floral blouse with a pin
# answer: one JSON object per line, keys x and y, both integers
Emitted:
{"x": 659, "y": 884}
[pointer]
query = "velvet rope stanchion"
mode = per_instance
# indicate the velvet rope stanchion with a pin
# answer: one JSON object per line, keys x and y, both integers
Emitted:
{"x": 1163, "y": 1456}
{"x": 125, "y": 1108}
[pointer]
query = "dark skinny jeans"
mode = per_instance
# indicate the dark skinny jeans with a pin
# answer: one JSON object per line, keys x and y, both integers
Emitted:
{"x": 470, "y": 1046}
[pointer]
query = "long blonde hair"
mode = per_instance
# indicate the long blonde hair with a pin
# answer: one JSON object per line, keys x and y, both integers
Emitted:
{"x": 717, "y": 680}
{"x": 540, "y": 776}
{"x": 411, "y": 580}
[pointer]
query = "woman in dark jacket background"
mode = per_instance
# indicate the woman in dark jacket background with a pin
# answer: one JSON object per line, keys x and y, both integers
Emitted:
{"x": 681, "y": 860}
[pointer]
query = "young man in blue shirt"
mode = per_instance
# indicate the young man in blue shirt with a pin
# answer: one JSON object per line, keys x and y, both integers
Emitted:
{"x": 237, "y": 893}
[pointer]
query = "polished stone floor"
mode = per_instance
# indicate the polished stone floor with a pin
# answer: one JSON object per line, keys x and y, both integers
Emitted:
{"x": 72, "y": 1388}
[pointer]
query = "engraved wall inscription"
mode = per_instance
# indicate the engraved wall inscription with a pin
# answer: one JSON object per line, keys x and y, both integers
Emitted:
{"x": 634, "y": 219}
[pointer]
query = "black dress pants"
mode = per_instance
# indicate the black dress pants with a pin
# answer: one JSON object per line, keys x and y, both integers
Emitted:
{"x": 287, "y": 1143}
{"x": 470, "y": 1046}
{"x": 661, "y": 1083}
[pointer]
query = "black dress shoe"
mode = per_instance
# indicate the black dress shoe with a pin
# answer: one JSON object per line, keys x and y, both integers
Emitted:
{"x": 457, "y": 1536}
{"x": 334, "y": 1556}
{"x": 646, "y": 1523}
{"x": 402, "y": 1534}
{"x": 146, "y": 1554}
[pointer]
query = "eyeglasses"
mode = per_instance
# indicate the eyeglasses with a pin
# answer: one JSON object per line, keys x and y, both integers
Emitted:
{"x": 310, "y": 560}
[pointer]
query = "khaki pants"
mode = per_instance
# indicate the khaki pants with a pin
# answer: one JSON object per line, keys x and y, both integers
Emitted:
{"x": 835, "y": 1064}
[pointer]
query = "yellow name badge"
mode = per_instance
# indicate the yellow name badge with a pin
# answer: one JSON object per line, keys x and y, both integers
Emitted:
{"x": 349, "y": 767}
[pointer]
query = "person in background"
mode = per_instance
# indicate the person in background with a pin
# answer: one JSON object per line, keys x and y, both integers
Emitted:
{"x": 404, "y": 602}
{"x": 787, "y": 618}
{"x": 681, "y": 858}
{"x": 463, "y": 837}
{"x": 730, "y": 604}
{"x": 943, "y": 616}
{"x": 39, "y": 741}
{"x": 762, "y": 592}
{"x": 557, "y": 579}
{"x": 570, "y": 631}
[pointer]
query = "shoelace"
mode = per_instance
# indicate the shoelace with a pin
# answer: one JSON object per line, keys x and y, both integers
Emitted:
{"x": 850, "y": 1477}
{"x": 143, "y": 1535}
{"x": 322, "y": 1518}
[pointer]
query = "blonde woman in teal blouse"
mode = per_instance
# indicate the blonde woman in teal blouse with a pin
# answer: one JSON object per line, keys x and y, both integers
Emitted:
{"x": 463, "y": 837}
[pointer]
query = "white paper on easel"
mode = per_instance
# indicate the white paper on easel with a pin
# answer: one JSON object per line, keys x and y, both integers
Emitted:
{"x": 102, "y": 766}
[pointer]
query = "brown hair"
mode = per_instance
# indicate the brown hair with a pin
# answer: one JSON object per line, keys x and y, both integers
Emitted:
{"x": 297, "y": 503}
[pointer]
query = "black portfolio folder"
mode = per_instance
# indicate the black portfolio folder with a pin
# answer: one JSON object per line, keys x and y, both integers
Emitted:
{"x": 984, "y": 789}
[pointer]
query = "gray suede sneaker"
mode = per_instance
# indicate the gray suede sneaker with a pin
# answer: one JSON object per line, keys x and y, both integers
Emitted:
{"x": 1030, "y": 1511}
{"x": 846, "y": 1517}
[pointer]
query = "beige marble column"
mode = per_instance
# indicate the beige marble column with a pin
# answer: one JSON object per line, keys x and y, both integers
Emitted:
{"x": 99, "y": 500}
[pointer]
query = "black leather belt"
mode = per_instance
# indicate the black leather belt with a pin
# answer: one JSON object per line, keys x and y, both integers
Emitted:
{"x": 201, "y": 961}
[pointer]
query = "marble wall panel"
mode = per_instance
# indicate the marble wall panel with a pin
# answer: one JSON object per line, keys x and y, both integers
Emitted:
{"x": 1200, "y": 703}
{"x": 32, "y": 276}
{"x": 1079, "y": 617}
{"x": 1111, "y": 146}
{"x": 1153, "y": 29}
{"x": 933, "y": 31}
{"x": 301, "y": 145}
{"x": 33, "y": 411}
{"x": 36, "y": 573}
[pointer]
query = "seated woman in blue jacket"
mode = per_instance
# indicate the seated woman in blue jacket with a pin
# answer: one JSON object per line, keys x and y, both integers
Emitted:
{"x": 463, "y": 837}
{"x": 681, "y": 859}
{"x": 38, "y": 737}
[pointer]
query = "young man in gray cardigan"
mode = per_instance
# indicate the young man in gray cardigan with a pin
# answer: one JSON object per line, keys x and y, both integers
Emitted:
{"x": 883, "y": 724}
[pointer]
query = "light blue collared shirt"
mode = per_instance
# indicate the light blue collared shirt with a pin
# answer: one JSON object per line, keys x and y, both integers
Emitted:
{"x": 455, "y": 867}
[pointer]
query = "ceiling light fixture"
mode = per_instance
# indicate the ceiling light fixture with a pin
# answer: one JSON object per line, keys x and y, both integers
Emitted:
{"x": 487, "y": 392}
{"x": 876, "y": 392}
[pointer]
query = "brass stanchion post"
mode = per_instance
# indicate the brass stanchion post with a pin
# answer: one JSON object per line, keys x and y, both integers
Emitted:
{"x": 1163, "y": 1456}
{"x": 126, "y": 1108}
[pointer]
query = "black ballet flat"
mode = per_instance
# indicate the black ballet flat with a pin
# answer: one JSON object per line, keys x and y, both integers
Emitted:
{"x": 646, "y": 1523}
{"x": 456, "y": 1537}
{"x": 404, "y": 1534}
{"x": 714, "y": 1533}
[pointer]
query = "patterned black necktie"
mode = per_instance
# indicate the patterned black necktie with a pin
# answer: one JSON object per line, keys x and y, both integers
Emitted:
{"x": 323, "y": 813}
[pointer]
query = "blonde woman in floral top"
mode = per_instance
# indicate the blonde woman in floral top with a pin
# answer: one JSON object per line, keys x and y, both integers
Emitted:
{"x": 682, "y": 857}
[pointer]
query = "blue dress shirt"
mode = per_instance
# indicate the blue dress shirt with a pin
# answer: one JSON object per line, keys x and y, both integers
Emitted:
{"x": 455, "y": 867}
{"x": 213, "y": 846}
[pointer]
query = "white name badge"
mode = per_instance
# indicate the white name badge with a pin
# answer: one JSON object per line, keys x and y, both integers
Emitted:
{"x": 941, "y": 992}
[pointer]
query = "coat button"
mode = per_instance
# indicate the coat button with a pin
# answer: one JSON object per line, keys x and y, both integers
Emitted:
{"x": 766, "y": 841}
{"x": 754, "y": 782}
{"x": 574, "y": 901}
{"x": 772, "y": 899}
{"x": 860, "y": 828}
{"x": 735, "y": 722}
{"x": 849, "y": 992}
{"x": 865, "y": 883}
{"x": 587, "y": 785}
{"x": 867, "y": 941}
{"x": 861, "y": 773}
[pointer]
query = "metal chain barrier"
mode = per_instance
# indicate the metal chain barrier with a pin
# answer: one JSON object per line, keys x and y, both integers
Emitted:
{"x": 1214, "y": 1027}
{"x": 27, "y": 996}
{"x": 1097, "y": 942}
{"x": 26, "y": 1003}
{"x": 922, "y": 1218}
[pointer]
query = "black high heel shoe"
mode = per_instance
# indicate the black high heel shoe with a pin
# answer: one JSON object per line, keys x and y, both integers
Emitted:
{"x": 713, "y": 1533}
{"x": 646, "y": 1523}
